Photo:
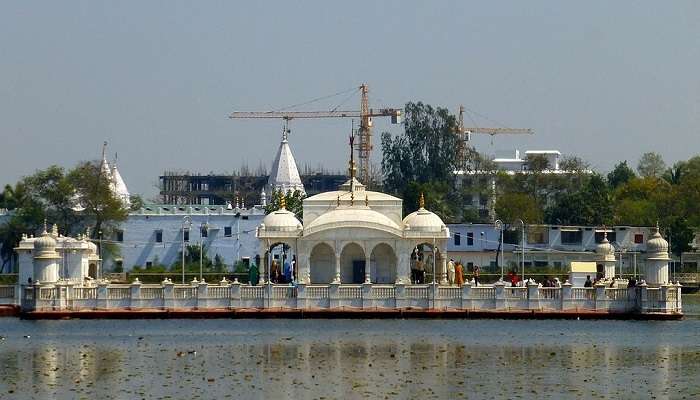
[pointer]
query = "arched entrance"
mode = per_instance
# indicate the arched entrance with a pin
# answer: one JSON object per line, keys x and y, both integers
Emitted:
{"x": 383, "y": 264}
{"x": 279, "y": 263}
{"x": 423, "y": 262}
{"x": 322, "y": 264}
{"x": 352, "y": 264}
{"x": 92, "y": 270}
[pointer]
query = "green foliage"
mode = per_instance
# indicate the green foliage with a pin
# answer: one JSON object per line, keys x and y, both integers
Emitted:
{"x": 592, "y": 205}
{"x": 136, "y": 202}
{"x": 55, "y": 195}
{"x": 620, "y": 175}
{"x": 651, "y": 165}
{"x": 513, "y": 206}
{"x": 294, "y": 201}
{"x": 425, "y": 152}
{"x": 240, "y": 267}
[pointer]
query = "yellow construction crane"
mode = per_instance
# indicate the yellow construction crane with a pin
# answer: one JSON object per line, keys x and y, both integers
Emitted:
{"x": 363, "y": 146}
{"x": 464, "y": 135}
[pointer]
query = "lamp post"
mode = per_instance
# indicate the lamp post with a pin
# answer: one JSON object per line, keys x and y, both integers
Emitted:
{"x": 203, "y": 228}
{"x": 498, "y": 224}
{"x": 522, "y": 248}
{"x": 186, "y": 221}
{"x": 99, "y": 272}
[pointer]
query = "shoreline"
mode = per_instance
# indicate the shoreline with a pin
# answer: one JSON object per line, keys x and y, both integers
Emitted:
{"x": 339, "y": 313}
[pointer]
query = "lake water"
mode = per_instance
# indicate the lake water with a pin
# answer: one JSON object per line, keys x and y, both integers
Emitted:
{"x": 317, "y": 359}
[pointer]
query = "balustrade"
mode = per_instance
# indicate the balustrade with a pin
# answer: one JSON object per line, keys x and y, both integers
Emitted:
{"x": 284, "y": 292}
{"x": 118, "y": 293}
{"x": 583, "y": 293}
{"x": 317, "y": 292}
{"x": 151, "y": 292}
{"x": 7, "y": 292}
{"x": 47, "y": 293}
{"x": 84, "y": 293}
{"x": 252, "y": 292}
{"x": 350, "y": 292}
{"x": 417, "y": 292}
{"x": 218, "y": 292}
{"x": 515, "y": 293}
{"x": 383, "y": 292}
{"x": 484, "y": 293}
{"x": 184, "y": 293}
{"x": 550, "y": 293}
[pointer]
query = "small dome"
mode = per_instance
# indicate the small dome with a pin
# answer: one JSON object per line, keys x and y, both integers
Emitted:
{"x": 45, "y": 245}
{"x": 281, "y": 220}
{"x": 605, "y": 250}
{"x": 423, "y": 221}
{"x": 604, "y": 247}
{"x": 657, "y": 246}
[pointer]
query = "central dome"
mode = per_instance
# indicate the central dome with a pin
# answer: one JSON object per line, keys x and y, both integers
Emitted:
{"x": 355, "y": 217}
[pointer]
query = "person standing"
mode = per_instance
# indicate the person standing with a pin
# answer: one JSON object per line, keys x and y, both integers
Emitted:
{"x": 253, "y": 275}
{"x": 477, "y": 272}
{"x": 451, "y": 271}
{"x": 420, "y": 269}
{"x": 459, "y": 274}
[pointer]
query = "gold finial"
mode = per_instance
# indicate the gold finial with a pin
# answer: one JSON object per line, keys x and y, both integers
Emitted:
{"x": 366, "y": 201}
{"x": 421, "y": 201}
{"x": 45, "y": 228}
{"x": 352, "y": 169}
{"x": 352, "y": 198}
{"x": 283, "y": 201}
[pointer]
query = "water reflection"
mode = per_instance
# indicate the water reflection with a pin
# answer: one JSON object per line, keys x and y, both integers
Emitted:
{"x": 392, "y": 364}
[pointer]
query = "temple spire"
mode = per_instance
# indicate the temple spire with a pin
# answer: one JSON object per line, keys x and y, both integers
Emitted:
{"x": 421, "y": 201}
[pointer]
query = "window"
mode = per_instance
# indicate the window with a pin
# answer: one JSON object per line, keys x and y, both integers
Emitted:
{"x": 612, "y": 237}
{"x": 483, "y": 200}
{"x": 468, "y": 199}
{"x": 571, "y": 237}
{"x": 159, "y": 236}
{"x": 186, "y": 235}
{"x": 458, "y": 239}
{"x": 204, "y": 232}
{"x": 470, "y": 238}
{"x": 537, "y": 235}
{"x": 119, "y": 235}
{"x": 483, "y": 213}
{"x": 149, "y": 264}
{"x": 638, "y": 238}
{"x": 227, "y": 231}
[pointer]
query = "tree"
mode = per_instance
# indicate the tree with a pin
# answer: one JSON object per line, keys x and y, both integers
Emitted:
{"x": 513, "y": 206}
{"x": 294, "y": 203}
{"x": 102, "y": 208}
{"x": 621, "y": 174}
{"x": 437, "y": 199}
{"x": 425, "y": 152}
{"x": 651, "y": 165}
{"x": 537, "y": 163}
{"x": 136, "y": 202}
{"x": 591, "y": 205}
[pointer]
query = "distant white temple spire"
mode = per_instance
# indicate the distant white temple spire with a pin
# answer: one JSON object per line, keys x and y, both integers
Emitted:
{"x": 118, "y": 185}
{"x": 284, "y": 175}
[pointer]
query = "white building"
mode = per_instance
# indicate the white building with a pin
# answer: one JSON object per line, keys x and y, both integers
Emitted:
{"x": 353, "y": 235}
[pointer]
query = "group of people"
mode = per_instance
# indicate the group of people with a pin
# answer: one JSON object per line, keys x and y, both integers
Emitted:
{"x": 286, "y": 273}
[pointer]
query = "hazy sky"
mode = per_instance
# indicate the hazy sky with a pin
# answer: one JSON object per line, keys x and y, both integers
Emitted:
{"x": 604, "y": 80}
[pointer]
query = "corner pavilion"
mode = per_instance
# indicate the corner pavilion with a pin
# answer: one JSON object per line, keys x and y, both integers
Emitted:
{"x": 353, "y": 235}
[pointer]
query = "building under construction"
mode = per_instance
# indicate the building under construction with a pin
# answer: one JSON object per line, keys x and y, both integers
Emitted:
{"x": 189, "y": 188}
